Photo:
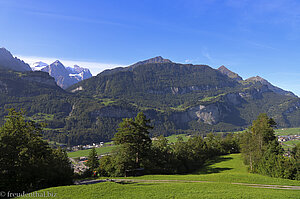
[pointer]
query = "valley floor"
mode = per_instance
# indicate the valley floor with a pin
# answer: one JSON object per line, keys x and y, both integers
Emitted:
{"x": 225, "y": 177}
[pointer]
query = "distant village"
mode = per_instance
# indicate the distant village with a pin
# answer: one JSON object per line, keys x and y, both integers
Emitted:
{"x": 284, "y": 138}
{"x": 78, "y": 164}
{"x": 83, "y": 147}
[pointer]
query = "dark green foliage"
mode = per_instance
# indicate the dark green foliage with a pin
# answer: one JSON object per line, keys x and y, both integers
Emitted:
{"x": 134, "y": 142}
{"x": 93, "y": 162}
{"x": 296, "y": 156}
{"x": 136, "y": 151}
{"x": 27, "y": 162}
{"x": 262, "y": 152}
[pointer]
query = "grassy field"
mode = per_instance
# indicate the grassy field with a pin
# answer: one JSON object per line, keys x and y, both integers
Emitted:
{"x": 288, "y": 131}
{"x": 40, "y": 117}
{"x": 108, "y": 149}
{"x": 218, "y": 174}
{"x": 85, "y": 153}
{"x": 173, "y": 138}
{"x": 290, "y": 144}
{"x": 228, "y": 168}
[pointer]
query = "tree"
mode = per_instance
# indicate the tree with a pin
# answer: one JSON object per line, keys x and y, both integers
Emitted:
{"x": 161, "y": 156}
{"x": 134, "y": 141}
{"x": 249, "y": 149}
{"x": 93, "y": 161}
{"x": 107, "y": 167}
{"x": 296, "y": 156}
{"x": 263, "y": 154}
{"x": 27, "y": 162}
{"x": 262, "y": 129}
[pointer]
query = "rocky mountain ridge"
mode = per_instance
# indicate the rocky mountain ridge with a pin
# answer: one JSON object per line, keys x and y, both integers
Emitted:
{"x": 8, "y": 62}
{"x": 153, "y": 60}
{"x": 64, "y": 76}
{"x": 270, "y": 86}
{"x": 229, "y": 73}
{"x": 178, "y": 98}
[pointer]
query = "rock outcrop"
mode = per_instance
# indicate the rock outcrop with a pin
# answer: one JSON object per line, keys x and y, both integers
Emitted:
{"x": 229, "y": 73}
{"x": 8, "y": 62}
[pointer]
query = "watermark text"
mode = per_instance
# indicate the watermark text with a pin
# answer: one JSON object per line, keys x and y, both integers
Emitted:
{"x": 40, "y": 194}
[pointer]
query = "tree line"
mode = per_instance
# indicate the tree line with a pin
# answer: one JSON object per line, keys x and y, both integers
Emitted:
{"x": 263, "y": 153}
{"x": 27, "y": 162}
{"x": 137, "y": 154}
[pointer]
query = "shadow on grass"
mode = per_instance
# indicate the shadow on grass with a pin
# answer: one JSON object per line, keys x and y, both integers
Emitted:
{"x": 125, "y": 182}
{"x": 208, "y": 167}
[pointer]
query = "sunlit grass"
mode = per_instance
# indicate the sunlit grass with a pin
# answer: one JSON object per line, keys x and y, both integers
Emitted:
{"x": 220, "y": 173}
{"x": 288, "y": 131}
{"x": 85, "y": 153}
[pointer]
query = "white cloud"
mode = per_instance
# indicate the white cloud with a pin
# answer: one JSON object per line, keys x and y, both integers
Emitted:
{"x": 95, "y": 67}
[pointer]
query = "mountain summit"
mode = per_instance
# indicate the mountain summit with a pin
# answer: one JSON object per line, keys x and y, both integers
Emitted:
{"x": 37, "y": 66}
{"x": 64, "y": 76}
{"x": 8, "y": 62}
{"x": 271, "y": 86}
{"x": 229, "y": 73}
{"x": 153, "y": 60}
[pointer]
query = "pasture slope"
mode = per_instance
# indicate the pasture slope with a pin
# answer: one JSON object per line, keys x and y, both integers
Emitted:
{"x": 108, "y": 147}
{"x": 225, "y": 177}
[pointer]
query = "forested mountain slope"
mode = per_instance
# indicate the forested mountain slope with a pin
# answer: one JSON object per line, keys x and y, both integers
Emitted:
{"x": 178, "y": 98}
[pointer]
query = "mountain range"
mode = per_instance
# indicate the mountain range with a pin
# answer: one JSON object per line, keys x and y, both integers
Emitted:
{"x": 178, "y": 98}
{"x": 64, "y": 76}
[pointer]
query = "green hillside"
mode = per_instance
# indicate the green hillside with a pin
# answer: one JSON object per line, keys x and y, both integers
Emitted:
{"x": 219, "y": 179}
{"x": 34, "y": 92}
{"x": 287, "y": 131}
{"x": 178, "y": 98}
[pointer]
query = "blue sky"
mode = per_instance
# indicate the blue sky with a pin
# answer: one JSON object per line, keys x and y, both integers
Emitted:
{"x": 250, "y": 37}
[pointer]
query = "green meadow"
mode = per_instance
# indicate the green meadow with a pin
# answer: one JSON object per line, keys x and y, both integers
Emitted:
{"x": 173, "y": 138}
{"x": 107, "y": 149}
{"x": 287, "y": 131}
{"x": 216, "y": 180}
{"x": 85, "y": 153}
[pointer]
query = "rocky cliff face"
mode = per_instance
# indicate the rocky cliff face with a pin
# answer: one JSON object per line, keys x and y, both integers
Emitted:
{"x": 79, "y": 73}
{"x": 60, "y": 74}
{"x": 8, "y": 62}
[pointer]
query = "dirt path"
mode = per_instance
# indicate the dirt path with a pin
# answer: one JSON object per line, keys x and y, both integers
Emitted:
{"x": 270, "y": 186}
{"x": 86, "y": 182}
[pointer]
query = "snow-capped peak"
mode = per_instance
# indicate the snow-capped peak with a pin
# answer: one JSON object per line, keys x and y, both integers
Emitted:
{"x": 38, "y": 65}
